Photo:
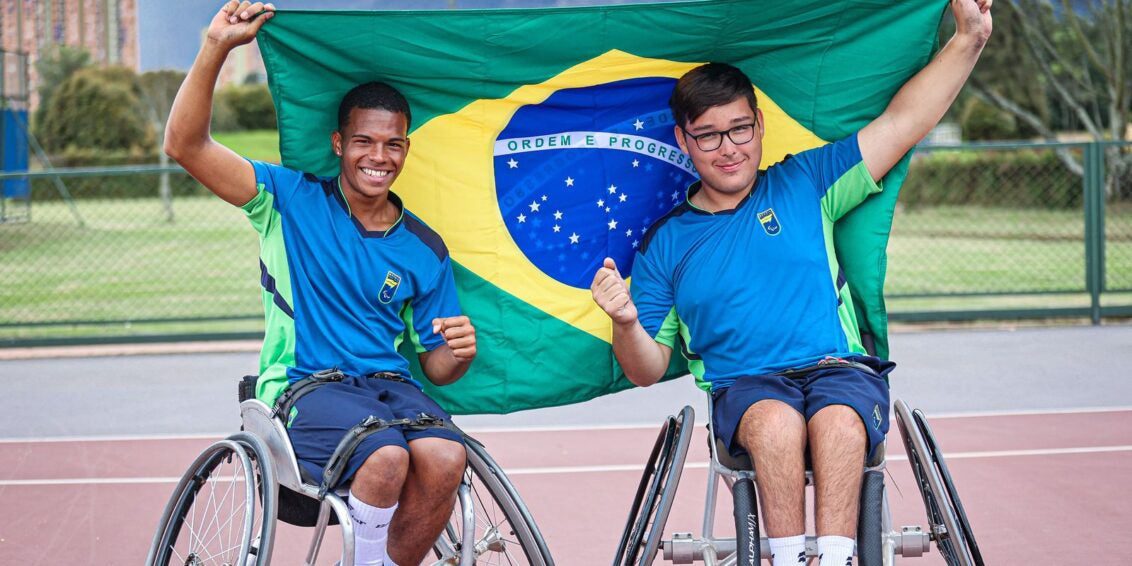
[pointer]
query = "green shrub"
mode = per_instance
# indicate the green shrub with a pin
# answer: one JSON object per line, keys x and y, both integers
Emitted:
{"x": 982, "y": 122}
{"x": 141, "y": 186}
{"x": 1007, "y": 178}
{"x": 97, "y": 110}
{"x": 251, "y": 104}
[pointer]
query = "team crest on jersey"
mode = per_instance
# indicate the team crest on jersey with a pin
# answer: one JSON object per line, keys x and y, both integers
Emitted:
{"x": 770, "y": 222}
{"x": 878, "y": 419}
{"x": 389, "y": 288}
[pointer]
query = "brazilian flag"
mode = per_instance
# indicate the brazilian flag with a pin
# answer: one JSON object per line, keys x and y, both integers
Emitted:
{"x": 542, "y": 143}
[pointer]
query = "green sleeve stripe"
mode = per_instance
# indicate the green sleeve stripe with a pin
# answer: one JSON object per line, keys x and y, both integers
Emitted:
{"x": 849, "y": 190}
{"x": 695, "y": 363}
{"x": 414, "y": 338}
{"x": 668, "y": 329}
{"x": 845, "y": 311}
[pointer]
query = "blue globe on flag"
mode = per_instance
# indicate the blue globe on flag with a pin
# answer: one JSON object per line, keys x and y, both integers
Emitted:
{"x": 581, "y": 176}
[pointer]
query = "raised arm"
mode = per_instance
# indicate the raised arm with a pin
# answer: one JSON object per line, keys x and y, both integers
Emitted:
{"x": 643, "y": 359}
{"x": 920, "y": 104}
{"x": 187, "y": 137}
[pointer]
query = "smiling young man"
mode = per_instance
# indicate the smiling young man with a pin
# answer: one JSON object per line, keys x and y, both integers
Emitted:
{"x": 347, "y": 274}
{"x": 743, "y": 276}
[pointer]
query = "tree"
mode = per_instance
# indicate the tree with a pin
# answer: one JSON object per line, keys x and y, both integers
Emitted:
{"x": 55, "y": 65}
{"x": 1078, "y": 54}
{"x": 159, "y": 88}
{"x": 95, "y": 112}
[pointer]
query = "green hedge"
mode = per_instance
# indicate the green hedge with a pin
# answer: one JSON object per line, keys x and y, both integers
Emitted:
{"x": 1007, "y": 178}
{"x": 115, "y": 187}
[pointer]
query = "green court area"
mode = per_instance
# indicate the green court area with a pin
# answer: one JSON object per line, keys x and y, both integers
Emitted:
{"x": 130, "y": 264}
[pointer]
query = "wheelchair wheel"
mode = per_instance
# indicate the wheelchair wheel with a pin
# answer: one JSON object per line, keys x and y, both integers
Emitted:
{"x": 504, "y": 531}
{"x": 656, "y": 491}
{"x": 222, "y": 511}
{"x": 949, "y": 527}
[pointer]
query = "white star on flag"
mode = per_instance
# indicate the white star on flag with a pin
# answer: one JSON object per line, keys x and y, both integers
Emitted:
{"x": 636, "y": 163}
{"x": 574, "y": 238}
{"x": 635, "y": 243}
{"x": 623, "y": 197}
{"x": 558, "y": 215}
{"x": 612, "y": 189}
{"x": 557, "y": 228}
{"x": 600, "y": 203}
{"x": 612, "y": 224}
{"x": 675, "y": 195}
{"x": 534, "y": 206}
{"x": 607, "y": 209}
{"x": 543, "y": 198}
{"x": 629, "y": 232}
{"x": 639, "y": 124}
{"x": 513, "y": 164}
{"x": 522, "y": 218}
{"x": 569, "y": 181}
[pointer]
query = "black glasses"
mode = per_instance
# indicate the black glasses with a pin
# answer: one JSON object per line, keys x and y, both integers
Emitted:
{"x": 711, "y": 141}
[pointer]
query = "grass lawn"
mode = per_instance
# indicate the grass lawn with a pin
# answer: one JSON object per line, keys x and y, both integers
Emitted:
{"x": 951, "y": 249}
{"x": 129, "y": 264}
{"x": 261, "y": 145}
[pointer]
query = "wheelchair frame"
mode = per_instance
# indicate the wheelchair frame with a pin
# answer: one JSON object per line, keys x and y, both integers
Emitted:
{"x": 263, "y": 452}
{"x": 878, "y": 543}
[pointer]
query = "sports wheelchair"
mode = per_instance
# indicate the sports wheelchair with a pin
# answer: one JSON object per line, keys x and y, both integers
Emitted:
{"x": 224, "y": 509}
{"x": 877, "y": 542}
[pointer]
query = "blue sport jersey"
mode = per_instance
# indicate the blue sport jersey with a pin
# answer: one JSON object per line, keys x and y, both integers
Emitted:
{"x": 334, "y": 293}
{"x": 756, "y": 289}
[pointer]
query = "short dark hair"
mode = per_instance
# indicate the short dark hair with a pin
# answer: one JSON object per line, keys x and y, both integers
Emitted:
{"x": 374, "y": 95}
{"x": 712, "y": 84}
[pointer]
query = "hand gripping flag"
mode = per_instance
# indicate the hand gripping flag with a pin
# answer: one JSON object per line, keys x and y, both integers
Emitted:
{"x": 542, "y": 143}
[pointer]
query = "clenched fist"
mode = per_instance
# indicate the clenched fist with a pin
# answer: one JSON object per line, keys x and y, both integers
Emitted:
{"x": 612, "y": 294}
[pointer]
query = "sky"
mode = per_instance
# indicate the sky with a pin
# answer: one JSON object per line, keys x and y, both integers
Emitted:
{"x": 169, "y": 33}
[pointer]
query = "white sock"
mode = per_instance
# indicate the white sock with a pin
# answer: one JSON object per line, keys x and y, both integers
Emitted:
{"x": 788, "y": 551}
{"x": 835, "y": 551}
{"x": 371, "y": 532}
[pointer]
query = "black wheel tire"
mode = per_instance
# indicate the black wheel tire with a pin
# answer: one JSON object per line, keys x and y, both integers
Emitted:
{"x": 656, "y": 491}
{"x": 870, "y": 523}
{"x": 949, "y": 486}
{"x": 944, "y": 527}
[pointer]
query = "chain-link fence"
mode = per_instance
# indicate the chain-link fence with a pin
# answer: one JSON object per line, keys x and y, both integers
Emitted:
{"x": 1013, "y": 230}
{"x": 103, "y": 254}
{"x": 980, "y": 232}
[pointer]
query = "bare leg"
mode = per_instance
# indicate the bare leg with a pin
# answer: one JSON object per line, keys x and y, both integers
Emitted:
{"x": 436, "y": 466}
{"x": 774, "y": 434}
{"x": 837, "y": 447}
{"x": 378, "y": 482}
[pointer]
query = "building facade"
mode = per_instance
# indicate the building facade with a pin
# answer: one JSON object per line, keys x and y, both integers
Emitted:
{"x": 107, "y": 29}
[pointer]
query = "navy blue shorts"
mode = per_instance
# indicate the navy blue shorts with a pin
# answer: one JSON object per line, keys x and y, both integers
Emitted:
{"x": 325, "y": 415}
{"x": 865, "y": 392}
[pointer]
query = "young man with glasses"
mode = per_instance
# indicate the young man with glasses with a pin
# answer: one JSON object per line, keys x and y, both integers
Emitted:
{"x": 744, "y": 276}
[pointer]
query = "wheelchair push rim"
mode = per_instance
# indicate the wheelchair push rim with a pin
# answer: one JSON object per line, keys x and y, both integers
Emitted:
{"x": 948, "y": 524}
{"x": 656, "y": 491}
{"x": 222, "y": 510}
{"x": 504, "y": 531}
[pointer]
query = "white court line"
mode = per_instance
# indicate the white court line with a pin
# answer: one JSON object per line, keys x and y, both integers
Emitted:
{"x": 551, "y": 428}
{"x": 115, "y": 438}
{"x": 601, "y": 469}
{"x": 1028, "y": 412}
